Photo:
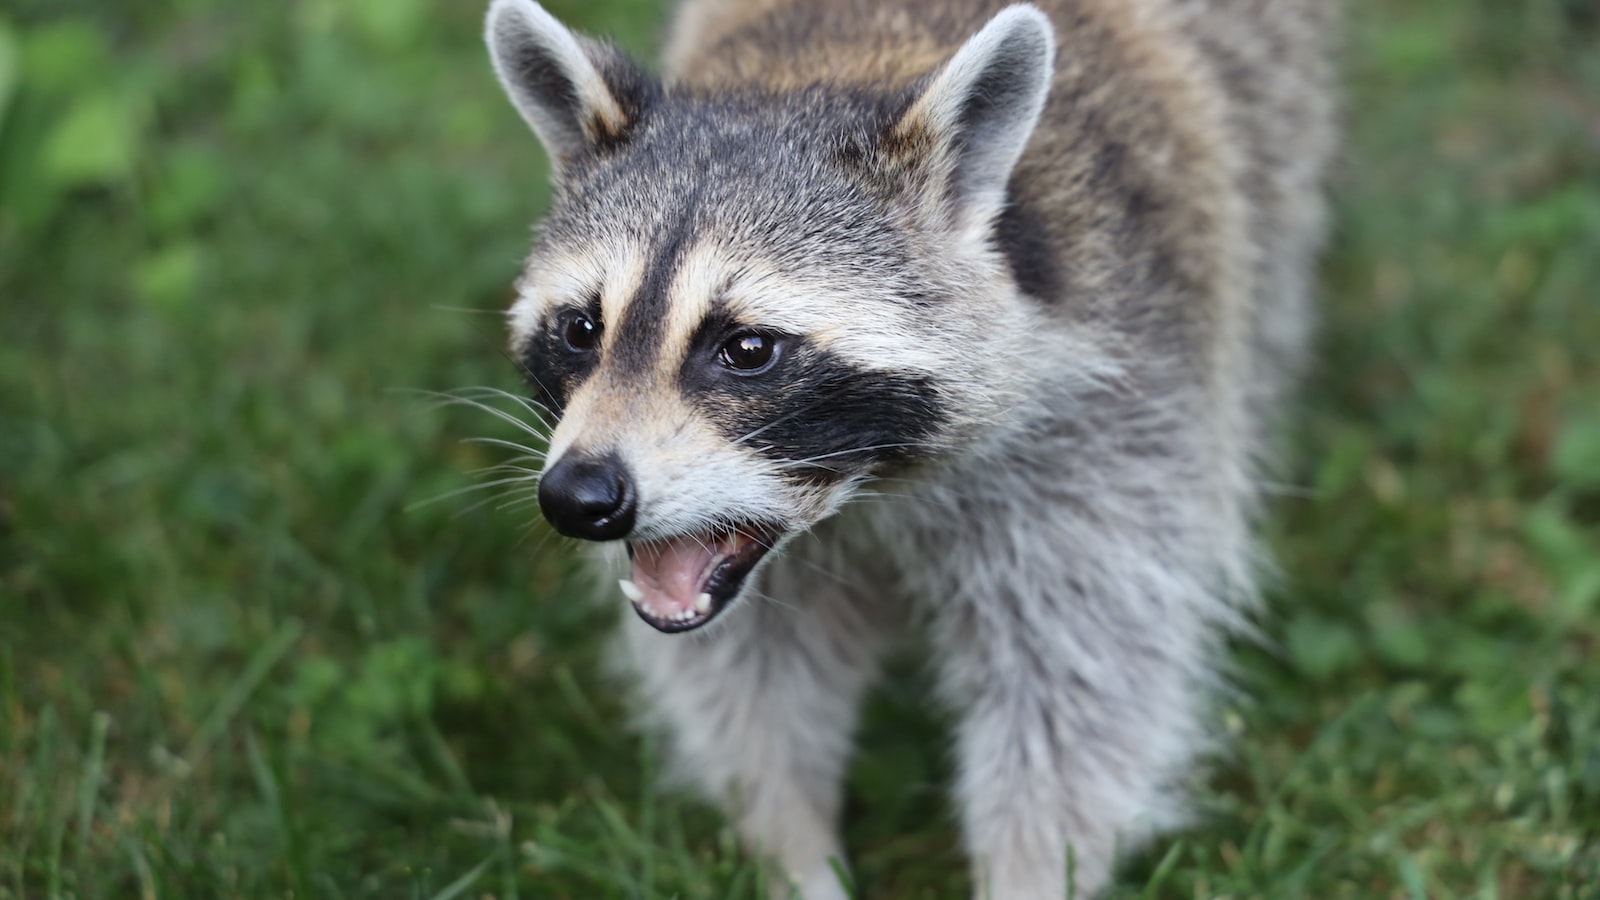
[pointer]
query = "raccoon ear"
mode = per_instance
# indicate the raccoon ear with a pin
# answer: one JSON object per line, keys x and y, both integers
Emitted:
{"x": 577, "y": 94}
{"x": 973, "y": 119}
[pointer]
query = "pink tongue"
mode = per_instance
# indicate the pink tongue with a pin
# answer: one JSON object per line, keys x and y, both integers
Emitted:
{"x": 671, "y": 573}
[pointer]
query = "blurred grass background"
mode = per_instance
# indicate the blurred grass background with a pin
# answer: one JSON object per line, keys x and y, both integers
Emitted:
{"x": 236, "y": 659}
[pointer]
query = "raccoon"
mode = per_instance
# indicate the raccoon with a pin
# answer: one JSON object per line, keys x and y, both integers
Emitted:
{"x": 939, "y": 319}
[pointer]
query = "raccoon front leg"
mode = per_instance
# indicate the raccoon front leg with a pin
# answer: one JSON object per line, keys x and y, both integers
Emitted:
{"x": 1078, "y": 660}
{"x": 760, "y": 714}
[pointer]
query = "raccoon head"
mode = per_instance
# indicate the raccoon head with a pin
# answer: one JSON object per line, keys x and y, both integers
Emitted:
{"x": 744, "y": 305}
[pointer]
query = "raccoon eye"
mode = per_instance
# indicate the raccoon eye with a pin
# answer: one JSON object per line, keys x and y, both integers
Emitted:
{"x": 581, "y": 333}
{"x": 748, "y": 351}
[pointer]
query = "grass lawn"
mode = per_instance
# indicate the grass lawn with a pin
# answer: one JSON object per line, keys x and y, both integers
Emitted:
{"x": 242, "y": 243}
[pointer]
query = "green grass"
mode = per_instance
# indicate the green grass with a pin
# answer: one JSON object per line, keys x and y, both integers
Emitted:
{"x": 236, "y": 659}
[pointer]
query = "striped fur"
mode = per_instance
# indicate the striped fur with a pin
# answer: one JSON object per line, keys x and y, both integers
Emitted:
{"x": 1037, "y": 277}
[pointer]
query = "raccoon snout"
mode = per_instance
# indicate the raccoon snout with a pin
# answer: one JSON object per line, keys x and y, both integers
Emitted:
{"x": 589, "y": 497}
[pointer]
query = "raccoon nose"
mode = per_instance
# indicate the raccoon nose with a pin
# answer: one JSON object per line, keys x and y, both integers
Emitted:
{"x": 588, "y": 497}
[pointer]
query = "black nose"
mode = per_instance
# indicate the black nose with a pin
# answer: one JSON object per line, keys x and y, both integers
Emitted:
{"x": 588, "y": 497}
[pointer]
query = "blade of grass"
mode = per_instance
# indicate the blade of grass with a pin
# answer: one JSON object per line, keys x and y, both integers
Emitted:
{"x": 234, "y": 699}
{"x": 89, "y": 788}
{"x": 141, "y": 868}
{"x": 463, "y": 884}
{"x": 1164, "y": 869}
{"x": 444, "y": 757}
{"x": 269, "y": 780}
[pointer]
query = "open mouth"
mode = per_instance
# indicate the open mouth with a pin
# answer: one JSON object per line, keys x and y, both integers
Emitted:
{"x": 681, "y": 583}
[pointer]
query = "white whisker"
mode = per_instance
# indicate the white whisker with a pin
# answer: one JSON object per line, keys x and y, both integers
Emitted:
{"x": 483, "y": 485}
{"x": 522, "y": 400}
{"x": 468, "y": 397}
{"x": 466, "y": 309}
{"x": 821, "y": 456}
{"x": 509, "y": 445}
{"x": 504, "y": 468}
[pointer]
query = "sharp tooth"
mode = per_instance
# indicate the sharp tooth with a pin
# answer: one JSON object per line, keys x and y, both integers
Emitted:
{"x": 630, "y": 590}
{"x": 703, "y": 603}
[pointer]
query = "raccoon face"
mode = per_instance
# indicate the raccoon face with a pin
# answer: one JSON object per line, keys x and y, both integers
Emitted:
{"x": 742, "y": 307}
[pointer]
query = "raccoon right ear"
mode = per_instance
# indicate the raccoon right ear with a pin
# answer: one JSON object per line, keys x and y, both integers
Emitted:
{"x": 968, "y": 126}
{"x": 578, "y": 95}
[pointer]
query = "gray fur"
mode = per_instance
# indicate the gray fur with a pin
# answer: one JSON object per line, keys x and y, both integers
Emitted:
{"x": 1096, "y": 356}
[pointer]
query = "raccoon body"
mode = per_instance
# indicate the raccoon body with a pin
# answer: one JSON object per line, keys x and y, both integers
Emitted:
{"x": 925, "y": 317}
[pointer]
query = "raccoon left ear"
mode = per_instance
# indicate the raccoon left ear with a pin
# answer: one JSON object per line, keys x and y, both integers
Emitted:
{"x": 577, "y": 94}
{"x": 975, "y": 116}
